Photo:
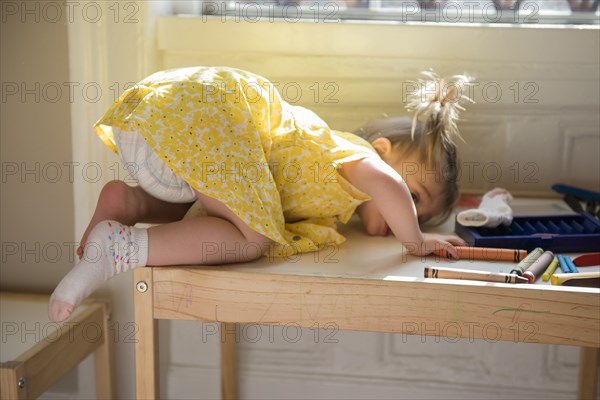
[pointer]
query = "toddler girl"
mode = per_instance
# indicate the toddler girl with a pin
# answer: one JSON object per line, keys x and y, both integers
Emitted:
{"x": 272, "y": 178}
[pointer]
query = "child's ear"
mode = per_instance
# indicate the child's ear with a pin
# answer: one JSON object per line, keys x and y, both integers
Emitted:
{"x": 383, "y": 146}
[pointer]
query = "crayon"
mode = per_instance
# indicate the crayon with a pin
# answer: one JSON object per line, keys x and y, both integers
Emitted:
{"x": 548, "y": 273}
{"x": 485, "y": 253}
{"x": 559, "y": 279}
{"x": 564, "y": 267}
{"x": 534, "y": 271}
{"x": 566, "y": 264}
{"x": 527, "y": 261}
{"x": 572, "y": 268}
{"x": 455, "y": 273}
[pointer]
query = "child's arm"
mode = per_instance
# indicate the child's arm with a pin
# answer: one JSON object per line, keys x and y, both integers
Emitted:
{"x": 392, "y": 197}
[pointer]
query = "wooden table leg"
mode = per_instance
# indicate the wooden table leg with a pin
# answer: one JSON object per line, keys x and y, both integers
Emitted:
{"x": 588, "y": 373}
{"x": 228, "y": 367}
{"x": 146, "y": 344}
{"x": 103, "y": 360}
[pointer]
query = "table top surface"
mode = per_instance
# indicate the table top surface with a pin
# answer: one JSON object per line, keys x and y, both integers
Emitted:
{"x": 384, "y": 258}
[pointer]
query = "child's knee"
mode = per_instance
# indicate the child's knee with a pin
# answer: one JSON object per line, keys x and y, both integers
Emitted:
{"x": 120, "y": 198}
{"x": 115, "y": 191}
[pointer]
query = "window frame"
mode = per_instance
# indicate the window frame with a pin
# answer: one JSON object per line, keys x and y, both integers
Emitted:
{"x": 451, "y": 12}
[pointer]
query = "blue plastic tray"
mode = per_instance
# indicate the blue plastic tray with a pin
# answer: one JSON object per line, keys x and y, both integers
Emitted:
{"x": 558, "y": 233}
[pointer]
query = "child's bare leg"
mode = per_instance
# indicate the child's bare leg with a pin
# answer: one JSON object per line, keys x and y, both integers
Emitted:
{"x": 113, "y": 248}
{"x": 219, "y": 238}
{"x": 130, "y": 205}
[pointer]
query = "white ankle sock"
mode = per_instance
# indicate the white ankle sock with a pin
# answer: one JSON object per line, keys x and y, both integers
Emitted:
{"x": 493, "y": 210}
{"x": 111, "y": 248}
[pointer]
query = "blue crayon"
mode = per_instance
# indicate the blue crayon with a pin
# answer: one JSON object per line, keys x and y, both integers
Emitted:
{"x": 563, "y": 264}
{"x": 572, "y": 268}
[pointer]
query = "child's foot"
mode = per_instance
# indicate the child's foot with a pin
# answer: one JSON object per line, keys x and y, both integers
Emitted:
{"x": 111, "y": 248}
{"x": 111, "y": 205}
{"x": 59, "y": 310}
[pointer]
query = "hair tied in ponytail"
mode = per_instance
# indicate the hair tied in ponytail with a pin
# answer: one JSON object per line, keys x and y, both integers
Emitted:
{"x": 437, "y": 104}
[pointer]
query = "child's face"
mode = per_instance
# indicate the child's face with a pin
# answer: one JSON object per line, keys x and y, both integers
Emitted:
{"x": 425, "y": 187}
{"x": 426, "y": 184}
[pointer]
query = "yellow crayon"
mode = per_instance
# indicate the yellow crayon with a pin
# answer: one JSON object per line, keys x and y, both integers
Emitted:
{"x": 550, "y": 270}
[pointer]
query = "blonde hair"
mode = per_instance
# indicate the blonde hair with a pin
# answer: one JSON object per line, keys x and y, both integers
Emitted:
{"x": 431, "y": 131}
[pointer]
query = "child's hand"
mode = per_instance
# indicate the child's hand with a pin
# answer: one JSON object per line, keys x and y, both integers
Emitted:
{"x": 433, "y": 242}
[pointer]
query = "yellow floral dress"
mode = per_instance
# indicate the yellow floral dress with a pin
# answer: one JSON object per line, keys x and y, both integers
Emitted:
{"x": 229, "y": 135}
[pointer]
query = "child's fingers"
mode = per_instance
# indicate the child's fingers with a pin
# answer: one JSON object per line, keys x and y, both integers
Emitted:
{"x": 450, "y": 249}
{"x": 447, "y": 247}
{"x": 456, "y": 241}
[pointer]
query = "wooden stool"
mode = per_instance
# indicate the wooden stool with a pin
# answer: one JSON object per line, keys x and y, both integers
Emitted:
{"x": 36, "y": 352}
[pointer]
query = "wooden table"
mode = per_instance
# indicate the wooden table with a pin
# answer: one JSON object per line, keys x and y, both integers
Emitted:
{"x": 367, "y": 284}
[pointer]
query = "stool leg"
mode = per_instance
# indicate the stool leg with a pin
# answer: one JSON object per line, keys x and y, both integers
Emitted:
{"x": 103, "y": 360}
{"x": 10, "y": 372}
{"x": 146, "y": 346}
{"x": 588, "y": 373}
{"x": 228, "y": 370}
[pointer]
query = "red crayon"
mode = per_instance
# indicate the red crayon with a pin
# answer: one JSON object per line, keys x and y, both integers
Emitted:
{"x": 538, "y": 267}
{"x": 485, "y": 253}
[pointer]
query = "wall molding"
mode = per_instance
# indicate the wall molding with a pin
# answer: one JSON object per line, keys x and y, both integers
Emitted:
{"x": 107, "y": 54}
{"x": 88, "y": 60}
{"x": 202, "y": 383}
{"x": 585, "y": 134}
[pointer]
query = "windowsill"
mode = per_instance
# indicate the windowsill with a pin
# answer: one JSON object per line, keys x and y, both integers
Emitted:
{"x": 551, "y": 22}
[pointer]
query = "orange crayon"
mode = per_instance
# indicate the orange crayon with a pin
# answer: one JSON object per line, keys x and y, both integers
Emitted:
{"x": 487, "y": 276}
{"x": 485, "y": 253}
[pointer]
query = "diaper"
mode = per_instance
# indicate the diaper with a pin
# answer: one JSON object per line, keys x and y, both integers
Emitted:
{"x": 151, "y": 173}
